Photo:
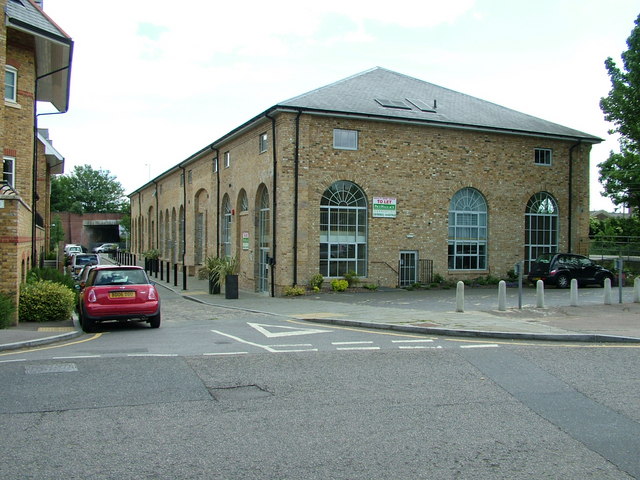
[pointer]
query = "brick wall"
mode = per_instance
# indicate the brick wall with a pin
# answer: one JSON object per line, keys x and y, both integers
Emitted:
{"x": 422, "y": 167}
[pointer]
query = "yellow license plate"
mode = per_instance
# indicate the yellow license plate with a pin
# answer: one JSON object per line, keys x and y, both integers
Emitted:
{"x": 122, "y": 294}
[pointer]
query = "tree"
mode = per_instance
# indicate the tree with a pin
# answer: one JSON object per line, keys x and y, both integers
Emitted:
{"x": 86, "y": 190}
{"x": 57, "y": 233}
{"x": 620, "y": 173}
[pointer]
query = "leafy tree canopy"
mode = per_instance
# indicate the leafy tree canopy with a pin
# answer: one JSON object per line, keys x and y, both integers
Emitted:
{"x": 86, "y": 190}
{"x": 620, "y": 173}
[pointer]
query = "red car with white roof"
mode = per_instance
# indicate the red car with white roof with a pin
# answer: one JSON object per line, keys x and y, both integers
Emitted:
{"x": 118, "y": 293}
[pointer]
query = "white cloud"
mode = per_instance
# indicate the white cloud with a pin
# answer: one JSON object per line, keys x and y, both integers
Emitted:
{"x": 154, "y": 82}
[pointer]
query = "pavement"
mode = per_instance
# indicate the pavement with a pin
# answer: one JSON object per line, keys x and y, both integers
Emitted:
{"x": 420, "y": 311}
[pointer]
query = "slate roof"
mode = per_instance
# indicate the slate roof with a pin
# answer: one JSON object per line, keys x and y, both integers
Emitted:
{"x": 364, "y": 93}
{"x": 54, "y": 50}
{"x": 23, "y": 12}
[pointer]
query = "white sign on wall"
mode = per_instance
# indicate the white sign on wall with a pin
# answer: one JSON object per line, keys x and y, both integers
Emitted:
{"x": 384, "y": 207}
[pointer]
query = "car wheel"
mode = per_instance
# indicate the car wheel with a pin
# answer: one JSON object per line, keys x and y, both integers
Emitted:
{"x": 563, "y": 281}
{"x": 154, "y": 322}
{"x": 88, "y": 325}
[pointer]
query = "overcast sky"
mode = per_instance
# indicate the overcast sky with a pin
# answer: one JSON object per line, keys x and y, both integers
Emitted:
{"x": 155, "y": 81}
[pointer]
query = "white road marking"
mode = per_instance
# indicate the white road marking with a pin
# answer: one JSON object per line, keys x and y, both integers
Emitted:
{"x": 417, "y": 347}
{"x": 412, "y": 341}
{"x": 265, "y": 347}
{"x": 296, "y": 350}
{"x": 280, "y": 331}
{"x": 489, "y": 345}
{"x": 77, "y": 356}
{"x": 358, "y": 348}
{"x": 152, "y": 355}
{"x": 351, "y": 343}
{"x": 224, "y": 353}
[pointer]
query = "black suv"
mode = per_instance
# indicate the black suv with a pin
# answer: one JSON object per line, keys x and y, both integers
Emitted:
{"x": 559, "y": 268}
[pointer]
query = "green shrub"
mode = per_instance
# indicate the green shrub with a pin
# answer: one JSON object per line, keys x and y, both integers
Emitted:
{"x": 316, "y": 282}
{"x": 38, "y": 274}
{"x": 6, "y": 310}
{"x": 339, "y": 285}
{"x": 152, "y": 254}
{"x": 437, "y": 278}
{"x": 352, "y": 278}
{"x": 45, "y": 301}
{"x": 203, "y": 273}
{"x": 371, "y": 286}
{"x": 294, "y": 291}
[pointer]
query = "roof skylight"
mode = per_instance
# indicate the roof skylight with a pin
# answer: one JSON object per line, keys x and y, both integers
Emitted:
{"x": 393, "y": 103}
{"x": 424, "y": 106}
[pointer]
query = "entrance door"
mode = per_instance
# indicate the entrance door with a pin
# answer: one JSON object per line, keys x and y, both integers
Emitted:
{"x": 408, "y": 268}
{"x": 263, "y": 270}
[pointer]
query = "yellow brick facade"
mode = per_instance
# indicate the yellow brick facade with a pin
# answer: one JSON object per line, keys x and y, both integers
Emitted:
{"x": 23, "y": 236}
{"x": 421, "y": 166}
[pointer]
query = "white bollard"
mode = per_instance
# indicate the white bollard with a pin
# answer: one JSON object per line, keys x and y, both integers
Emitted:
{"x": 574, "y": 292}
{"x": 607, "y": 291}
{"x": 502, "y": 295}
{"x": 460, "y": 297}
{"x": 636, "y": 290}
{"x": 539, "y": 294}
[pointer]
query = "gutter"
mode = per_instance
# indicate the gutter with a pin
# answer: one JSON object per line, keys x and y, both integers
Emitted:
{"x": 274, "y": 236}
{"x": 157, "y": 213}
{"x": 140, "y": 229}
{"x": 34, "y": 181}
{"x": 216, "y": 160}
{"x": 570, "y": 203}
{"x": 184, "y": 215}
{"x": 296, "y": 194}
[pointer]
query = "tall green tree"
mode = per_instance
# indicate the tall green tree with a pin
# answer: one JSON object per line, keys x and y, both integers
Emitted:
{"x": 620, "y": 173}
{"x": 86, "y": 190}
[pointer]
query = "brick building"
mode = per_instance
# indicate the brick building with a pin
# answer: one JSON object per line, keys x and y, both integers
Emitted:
{"x": 379, "y": 174}
{"x": 35, "y": 60}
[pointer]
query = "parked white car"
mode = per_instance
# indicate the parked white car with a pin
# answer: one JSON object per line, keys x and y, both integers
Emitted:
{"x": 80, "y": 260}
{"x": 72, "y": 248}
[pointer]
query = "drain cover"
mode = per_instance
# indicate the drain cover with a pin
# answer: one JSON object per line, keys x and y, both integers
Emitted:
{"x": 242, "y": 392}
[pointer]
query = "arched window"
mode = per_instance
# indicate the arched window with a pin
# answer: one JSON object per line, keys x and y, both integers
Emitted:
{"x": 226, "y": 226}
{"x": 468, "y": 231}
{"x": 243, "y": 201}
{"x": 541, "y": 227}
{"x": 343, "y": 230}
{"x": 263, "y": 224}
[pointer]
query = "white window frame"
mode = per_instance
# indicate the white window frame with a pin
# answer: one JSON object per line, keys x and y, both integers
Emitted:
{"x": 227, "y": 159}
{"x": 343, "y": 230}
{"x": 13, "y": 97}
{"x": 468, "y": 231}
{"x": 215, "y": 165}
{"x": 263, "y": 142}
{"x": 543, "y": 156}
{"x": 226, "y": 226}
{"x": 12, "y": 181}
{"x": 345, "y": 139}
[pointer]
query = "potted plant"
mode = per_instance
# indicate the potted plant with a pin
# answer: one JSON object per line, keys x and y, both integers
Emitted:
{"x": 151, "y": 259}
{"x": 228, "y": 269}
{"x": 212, "y": 266}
